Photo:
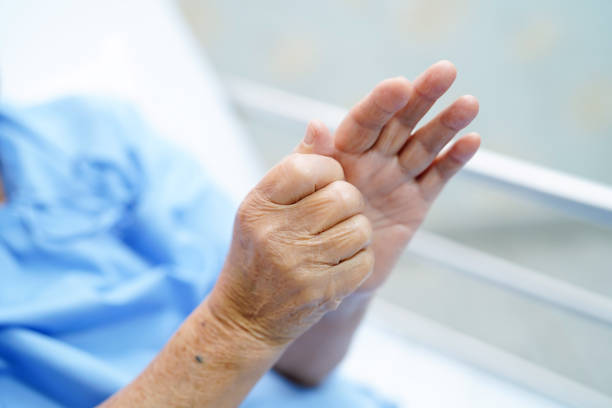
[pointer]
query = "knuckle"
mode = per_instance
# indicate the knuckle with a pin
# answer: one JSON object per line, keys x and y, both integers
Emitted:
{"x": 306, "y": 166}
{"x": 347, "y": 195}
{"x": 252, "y": 208}
{"x": 335, "y": 168}
{"x": 367, "y": 261}
{"x": 427, "y": 147}
{"x": 363, "y": 228}
{"x": 297, "y": 166}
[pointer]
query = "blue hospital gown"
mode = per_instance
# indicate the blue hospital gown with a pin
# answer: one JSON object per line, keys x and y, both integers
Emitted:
{"x": 109, "y": 239}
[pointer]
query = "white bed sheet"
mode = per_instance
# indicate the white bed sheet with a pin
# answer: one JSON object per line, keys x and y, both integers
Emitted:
{"x": 415, "y": 375}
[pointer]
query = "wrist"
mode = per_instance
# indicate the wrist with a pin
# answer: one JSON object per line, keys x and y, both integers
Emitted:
{"x": 233, "y": 345}
{"x": 206, "y": 363}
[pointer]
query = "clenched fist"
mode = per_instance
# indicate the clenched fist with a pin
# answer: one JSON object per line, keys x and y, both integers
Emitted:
{"x": 300, "y": 246}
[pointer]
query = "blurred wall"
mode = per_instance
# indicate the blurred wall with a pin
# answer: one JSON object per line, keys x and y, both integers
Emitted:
{"x": 541, "y": 69}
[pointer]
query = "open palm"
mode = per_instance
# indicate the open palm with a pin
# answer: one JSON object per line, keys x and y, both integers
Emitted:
{"x": 398, "y": 170}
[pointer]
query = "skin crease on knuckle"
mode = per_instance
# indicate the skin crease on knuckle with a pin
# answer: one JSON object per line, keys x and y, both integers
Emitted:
{"x": 312, "y": 163}
{"x": 327, "y": 207}
{"x": 351, "y": 273}
{"x": 349, "y": 197}
{"x": 304, "y": 169}
{"x": 297, "y": 169}
{"x": 363, "y": 229}
{"x": 342, "y": 241}
{"x": 364, "y": 266}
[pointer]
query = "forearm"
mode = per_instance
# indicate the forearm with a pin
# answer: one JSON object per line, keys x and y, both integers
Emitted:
{"x": 318, "y": 351}
{"x": 207, "y": 363}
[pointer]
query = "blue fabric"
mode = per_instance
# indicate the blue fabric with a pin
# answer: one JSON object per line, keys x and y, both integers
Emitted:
{"x": 109, "y": 239}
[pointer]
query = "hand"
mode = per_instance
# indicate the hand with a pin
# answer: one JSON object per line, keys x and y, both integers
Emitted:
{"x": 398, "y": 170}
{"x": 300, "y": 245}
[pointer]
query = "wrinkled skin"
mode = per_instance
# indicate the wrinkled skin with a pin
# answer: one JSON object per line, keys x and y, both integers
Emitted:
{"x": 299, "y": 247}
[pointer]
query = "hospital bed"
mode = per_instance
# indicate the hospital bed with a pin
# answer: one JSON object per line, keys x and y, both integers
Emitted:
{"x": 142, "y": 51}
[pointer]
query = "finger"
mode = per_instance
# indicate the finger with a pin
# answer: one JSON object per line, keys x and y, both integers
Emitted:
{"x": 349, "y": 274}
{"x": 448, "y": 164}
{"x": 361, "y": 127}
{"x": 428, "y": 87}
{"x": 327, "y": 207}
{"x": 298, "y": 176}
{"x": 424, "y": 145}
{"x": 342, "y": 241}
{"x": 317, "y": 139}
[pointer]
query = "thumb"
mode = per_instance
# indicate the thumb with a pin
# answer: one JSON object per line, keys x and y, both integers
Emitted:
{"x": 318, "y": 140}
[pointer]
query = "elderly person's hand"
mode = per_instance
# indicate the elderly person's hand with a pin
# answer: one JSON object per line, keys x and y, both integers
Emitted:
{"x": 399, "y": 168}
{"x": 300, "y": 246}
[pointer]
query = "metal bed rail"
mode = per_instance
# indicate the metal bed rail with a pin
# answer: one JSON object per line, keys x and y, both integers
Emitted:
{"x": 583, "y": 198}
